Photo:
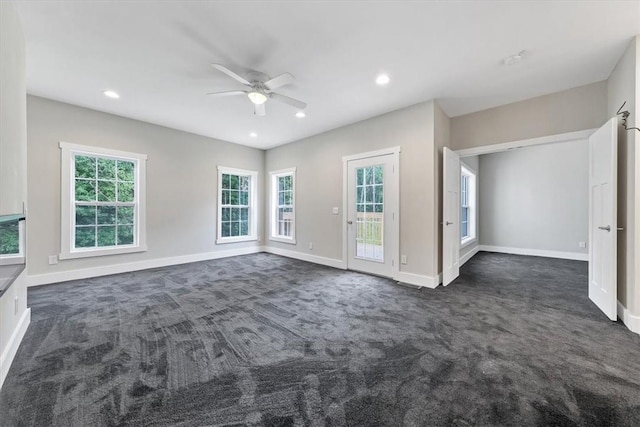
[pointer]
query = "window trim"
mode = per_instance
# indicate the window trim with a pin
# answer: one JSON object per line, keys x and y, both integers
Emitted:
{"x": 274, "y": 175}
{"x": 472, "y": 188}
{"x": 67, "y": 204}
{"x": 253, "y": 206}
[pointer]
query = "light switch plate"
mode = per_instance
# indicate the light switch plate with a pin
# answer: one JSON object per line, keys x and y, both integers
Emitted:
{"x": 336, "y": 210}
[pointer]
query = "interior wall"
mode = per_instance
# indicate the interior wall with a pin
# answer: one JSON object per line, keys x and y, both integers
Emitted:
{"x": 14, "y": 316}
{"x": 473, "y": 163}
{"x": 622, "y": 86}
{"x": 181, "y": 183}
{"x": 580, "y": 108}
{"x": 536, "y": 198}
{"x": 318, "y": 160}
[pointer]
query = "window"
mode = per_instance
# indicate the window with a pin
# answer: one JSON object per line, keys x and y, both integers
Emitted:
{"x": 237, "y": 216}
{"x": 467, "y": 205}
{"x": 283, "y": 223}
{"x": 102, "y": 201}
{"x": 11, "y": 239}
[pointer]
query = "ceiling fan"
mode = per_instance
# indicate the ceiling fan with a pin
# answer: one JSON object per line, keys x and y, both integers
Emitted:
{"x": 260, "y": 89}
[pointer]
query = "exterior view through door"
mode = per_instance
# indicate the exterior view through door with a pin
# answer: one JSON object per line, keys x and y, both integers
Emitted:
{"x": 371, "y": 213}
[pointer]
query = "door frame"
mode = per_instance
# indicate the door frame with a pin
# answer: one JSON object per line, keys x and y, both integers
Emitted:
{"x": 394, "y": 245}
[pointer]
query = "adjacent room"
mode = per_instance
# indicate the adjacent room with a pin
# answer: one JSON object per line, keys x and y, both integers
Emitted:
{"x": 223, "y": 213}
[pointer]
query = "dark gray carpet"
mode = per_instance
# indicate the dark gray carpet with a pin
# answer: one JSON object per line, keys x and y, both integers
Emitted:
{"x": 265, "y": 340}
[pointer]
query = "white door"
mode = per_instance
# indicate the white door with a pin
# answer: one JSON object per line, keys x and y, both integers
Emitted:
{"x": 450, "y": 216}
{"x": 603, "y": 165}
{"x": 371, "y": 204}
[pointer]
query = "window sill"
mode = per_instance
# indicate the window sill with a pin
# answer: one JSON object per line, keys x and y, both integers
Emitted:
{"x": 467, "y": 242}
{"x": 289, "y": 241}
{"x": 223, "y": 240}
{"x": 12, "y": 259}
{"x": 102, "y": 252}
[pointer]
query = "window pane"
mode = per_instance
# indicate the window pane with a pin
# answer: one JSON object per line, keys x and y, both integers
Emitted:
{"x": 85, "y": 237}
{"x": 125, "y": 215}
{"x": 226, "y": 229}
{"x": 359, "y": 176}
{"x": 465, "y": 214}
{"x": 234, "y": 182}
{"x": 226, "y": 181}
{"x": 464, "y": 232}
{"x": 85, "y": 215}
{"x": 106, "y": 169}
{"x": 235, "y": 214}
{"x": 378, "y": 193}
{"x": 233, "y": 198}
{"x": 244, "y": 214}
{"x": 125, "y": 171}
{"x": 244, "y": 228}
{"x": 369, "y": 194}
{"x": 235, "y": 228}
{"x": 369, "y": 177}
{"x": 226, "y": 214}
{"x": 360, "y": 207}
{"x": 106, "y": 191}
{"x": 85, "y": 190}
{"x": 244, "y": 198}
{"x": 9, "y": 238}
{"x": 85, "y": 167}
{"x": 280, "y": 183}
{"x": 125, "y": 235}
{"x": 225, "y": 197}
{"x": 244, "y": 183}
{"x": 378, "y": 174}
{"x": 106, "y": 216}
{"x": 107, "y": 236}
{"x": 126, "y": 191}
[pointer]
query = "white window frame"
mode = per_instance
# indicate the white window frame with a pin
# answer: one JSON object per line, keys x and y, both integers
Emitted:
{"x": 19, "y": 257}
{"x": 253, "y": 205}
{"x": 472, "y": 188}
{"x": 67, "y": 250}
{"x": 274, "y": 206}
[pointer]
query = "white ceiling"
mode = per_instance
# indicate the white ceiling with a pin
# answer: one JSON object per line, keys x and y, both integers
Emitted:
{"x": 156, "y": 55}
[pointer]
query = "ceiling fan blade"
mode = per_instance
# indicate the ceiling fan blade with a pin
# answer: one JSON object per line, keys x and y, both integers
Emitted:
{"x": 281, "y": 80}
{"x": 228, "y": 93}
{"x": 287, "y": 100}
{"x": 231, "y": 74}
{"x": 259, "y": 109}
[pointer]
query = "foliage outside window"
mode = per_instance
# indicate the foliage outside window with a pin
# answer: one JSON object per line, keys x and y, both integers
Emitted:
{"x": 10, "y": 238}
{"x": 467, "y": 204}
{"x": 236, "y": 202}
{"x": 105, "y": 201}
{"x": 283, "y": 205}
{"x": 370, "y": 211}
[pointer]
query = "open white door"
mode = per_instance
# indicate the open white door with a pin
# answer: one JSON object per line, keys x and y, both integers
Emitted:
{"x": 603, "y": 191}
{"x": 450, "y": 216}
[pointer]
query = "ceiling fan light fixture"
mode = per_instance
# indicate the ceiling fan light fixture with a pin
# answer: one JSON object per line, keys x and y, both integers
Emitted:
{"x": 257, "y": 97}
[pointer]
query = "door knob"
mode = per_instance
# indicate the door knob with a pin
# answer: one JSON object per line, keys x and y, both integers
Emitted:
{"x": 349, "y": 222}
{"x": 448, "y": 223}
{"x": 607, "y": 228}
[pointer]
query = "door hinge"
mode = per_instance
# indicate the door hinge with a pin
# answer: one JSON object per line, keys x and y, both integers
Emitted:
{"x": 392, "y": 263}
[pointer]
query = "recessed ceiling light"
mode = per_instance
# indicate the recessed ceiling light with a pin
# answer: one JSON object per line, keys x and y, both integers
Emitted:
{"x": 253, "y": 135}
{"x": 382, "y": 79}
{"x": 300, "y": 114}
{"x": 111, "y": 94}
{"x": 513, "y": 59}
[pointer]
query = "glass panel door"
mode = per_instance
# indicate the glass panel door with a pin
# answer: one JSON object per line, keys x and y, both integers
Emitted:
{"x": 370, "y": 212}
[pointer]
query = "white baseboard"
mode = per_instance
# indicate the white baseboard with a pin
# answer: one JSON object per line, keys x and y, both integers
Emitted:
{"x": 330, "y": 262}
{"x": 630, "y": 321}
{"x": 85, "y": 273}
{"x": 535, "y": 252}
{"x": 6, "y": 358}
{"x": 466, "y": 257}
{"x": 417, "y": 280}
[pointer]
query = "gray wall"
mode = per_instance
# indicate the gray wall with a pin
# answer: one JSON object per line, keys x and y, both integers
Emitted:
{"x": 536, "y": 197}
{"x": 181, "y": 182}
{"x": 319, "y": 188}
{"x": 623, "y": 86}
{"x": 571, "y": 110}
{"x": 473, "y": 163}
{"x": 13, "y": 146}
